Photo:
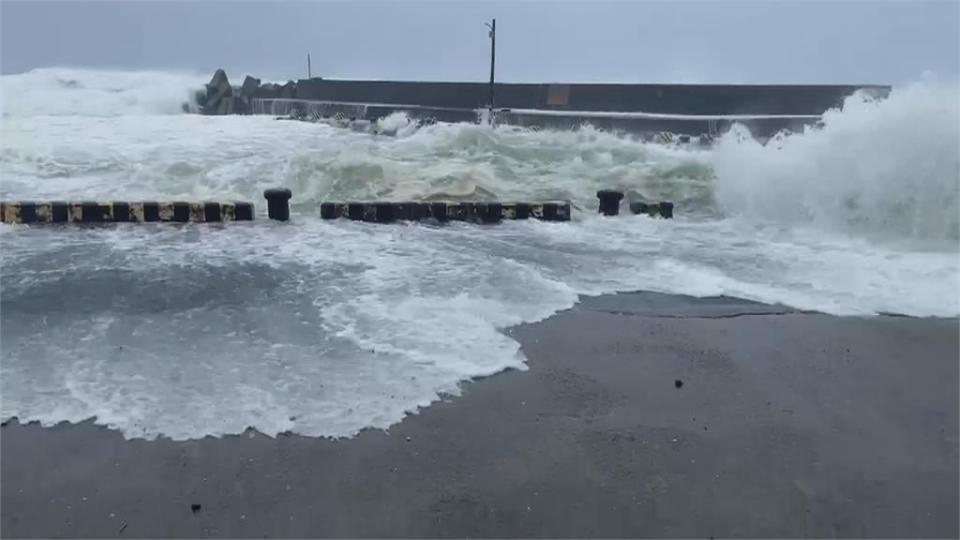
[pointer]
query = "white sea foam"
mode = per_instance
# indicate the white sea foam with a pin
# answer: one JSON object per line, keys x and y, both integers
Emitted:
{"x": 325, "y": 328}
{"x": 85, "y": 92}
{"x": 887, "y": 168}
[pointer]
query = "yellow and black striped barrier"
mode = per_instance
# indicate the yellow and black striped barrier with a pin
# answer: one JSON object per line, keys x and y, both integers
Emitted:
{"x": 476, "y": 212}
{"x": 118, "y": 212}
{"x": 278, "y": 208}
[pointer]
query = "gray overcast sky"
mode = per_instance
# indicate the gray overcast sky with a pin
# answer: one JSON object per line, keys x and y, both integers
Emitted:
{"x": 642, "y": 41}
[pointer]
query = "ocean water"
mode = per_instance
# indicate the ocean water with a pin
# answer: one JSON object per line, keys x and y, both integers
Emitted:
{"x": 326, "y": 328}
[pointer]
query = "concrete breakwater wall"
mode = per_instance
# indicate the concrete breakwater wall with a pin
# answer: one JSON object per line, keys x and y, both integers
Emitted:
{"x": 678, "y": 99}
{"x": 643, "y": 124}
{"x": 649, "y": 108}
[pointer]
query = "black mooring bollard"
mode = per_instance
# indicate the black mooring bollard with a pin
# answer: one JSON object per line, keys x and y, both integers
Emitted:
{"x": 278, "y": 203}
{"x": 609, "y": 201}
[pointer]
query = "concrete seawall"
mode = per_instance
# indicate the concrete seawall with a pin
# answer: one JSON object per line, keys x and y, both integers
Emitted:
{"x": 681, "y": 99}
{"x": 637, "y": 108}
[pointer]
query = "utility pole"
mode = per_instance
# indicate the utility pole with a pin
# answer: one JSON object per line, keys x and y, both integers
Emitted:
{"x": 493, "y": 58}
{"x": 309, "y": 74}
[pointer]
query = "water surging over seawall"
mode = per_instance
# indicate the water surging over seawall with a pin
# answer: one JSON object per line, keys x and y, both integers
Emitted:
{"x": 325, "y": 328}
{"x": 882, "y": 169}
{"x": 87, "y": 92}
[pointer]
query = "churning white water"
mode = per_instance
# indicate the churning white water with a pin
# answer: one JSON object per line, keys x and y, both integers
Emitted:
{"x": 324, "y": 328}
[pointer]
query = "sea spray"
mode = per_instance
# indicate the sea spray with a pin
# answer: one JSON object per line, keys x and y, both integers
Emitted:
{"x": 885, "y": 169}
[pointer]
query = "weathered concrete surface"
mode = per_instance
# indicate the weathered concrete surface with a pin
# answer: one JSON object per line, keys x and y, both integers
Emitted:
{"x": 249, "y": 87}
{"x": 785, "y": 424}
{"x": 219, "y": 98}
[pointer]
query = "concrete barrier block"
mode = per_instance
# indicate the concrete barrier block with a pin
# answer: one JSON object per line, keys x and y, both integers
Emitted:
{"x": 355, "y": 211}
{"x": 490, "y": 212}
{"x": 438, "y": 211}
{"x": 211, "y": 212}
{"x": 120, "y": 212}
{"x": 473, "y": 212}
{"x": 663, "y": 209}
{"x": 59, "y": 212}
{"x": 330, "y": 210}
{"x": 516, "y": 211}
{"x": 383, "y": 212}
{"x": 181, "y": 212}
{"x": 28, "y": 212}
{"x": 243, "y": 211}
{"x": 151, "y": 212}
{"x": 92, "y": 212}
